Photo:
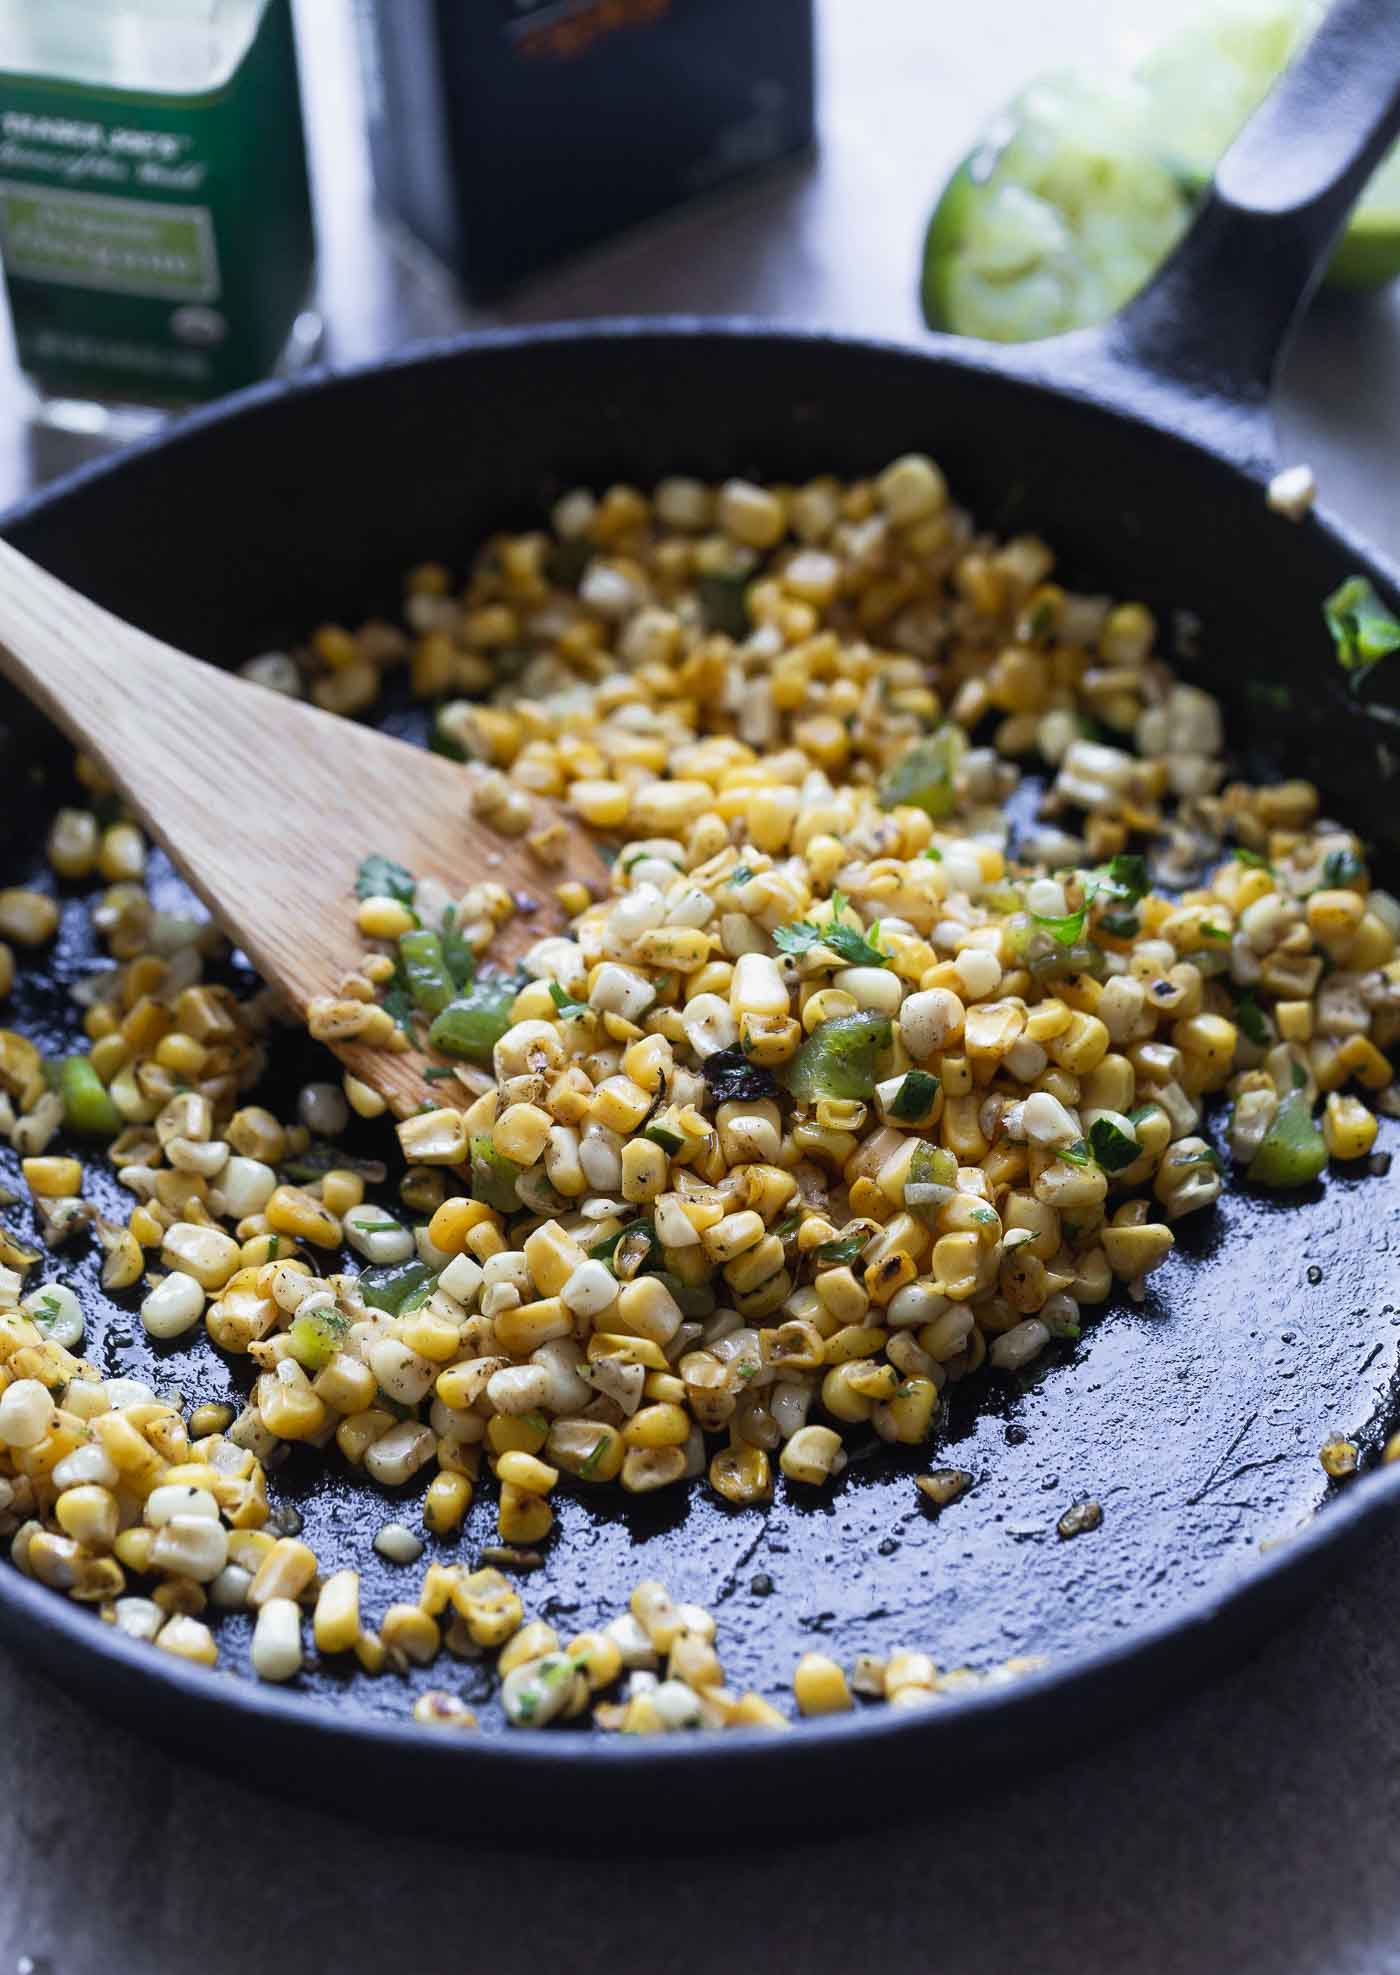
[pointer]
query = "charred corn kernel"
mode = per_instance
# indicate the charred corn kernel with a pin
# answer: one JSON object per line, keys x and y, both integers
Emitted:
{"x": 523, "y": 1516}
{"x": 819, "y": 1686}
{"x": 741, "y": 1474}
{"x": 1348, "y": 1127}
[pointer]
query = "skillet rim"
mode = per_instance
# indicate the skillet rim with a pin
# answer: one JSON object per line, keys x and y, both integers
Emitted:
{"x": 29, "y": 1611}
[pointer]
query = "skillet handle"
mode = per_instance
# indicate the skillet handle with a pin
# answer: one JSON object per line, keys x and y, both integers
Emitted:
{"x": 1199, "y": 348}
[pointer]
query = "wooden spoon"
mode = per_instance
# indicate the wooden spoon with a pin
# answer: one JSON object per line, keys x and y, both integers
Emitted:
{"x": 267, "y": 805}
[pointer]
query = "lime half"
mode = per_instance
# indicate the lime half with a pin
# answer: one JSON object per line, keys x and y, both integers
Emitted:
{"x": 1059, "y": 215}
{"x": 1079, "y": 190}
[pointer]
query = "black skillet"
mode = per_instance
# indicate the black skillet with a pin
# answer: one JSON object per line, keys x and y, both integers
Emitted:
{"x": 1195, "y": 1420}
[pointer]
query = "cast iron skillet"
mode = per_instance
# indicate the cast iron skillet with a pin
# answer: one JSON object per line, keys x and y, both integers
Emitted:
{"x": 1195, "y": 1420}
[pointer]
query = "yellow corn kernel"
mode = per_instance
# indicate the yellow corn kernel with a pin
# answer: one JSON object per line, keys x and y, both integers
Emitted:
{"x": 341, "y": 1190}
{"x": 1348, "y": 1127}
{"x": 454, "y": 1220}
{"x": 446, "y": 1503}
{"x": 819, "y": 1686}
{"x": 742, "y": 1474}
{"x": 523, "y": 1471}
{"x": 522, "y": 1516}
{"x": 384, "y": 918}
{"x": 434, "y": 1138}
{"x": 284, "y": 1572}
{"x": 336, "y": 1625}
{"x": 520, "y": 1133}
{"x": 121, "y": 858}
{"x": 301, "y": 1215}
{"x": 363, "y": 1101}
{"x": 409, "y": 1630}
{"x": 603, "y": 805}
{"x": 53, "y": 1178}
{"x": 664, "y": 1424}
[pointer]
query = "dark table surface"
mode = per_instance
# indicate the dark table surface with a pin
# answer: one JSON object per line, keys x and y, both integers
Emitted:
{"x": 1255, "y": 1828}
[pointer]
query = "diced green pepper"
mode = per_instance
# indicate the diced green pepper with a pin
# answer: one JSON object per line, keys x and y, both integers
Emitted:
{"x": 87, "y": 1109}
{"x": 932, "y": 1165}
{"x": 1292, "y": 1151}
{"x": 923, "y": 778}
{"x": 315, "y": 1336}
{"x": 494, "y": 1176}
{"x": 425, "y": 971}
{"x": 390, "y": 1286}
{"x": 474, "y": 1023}
{"x": 838, "y": 1058}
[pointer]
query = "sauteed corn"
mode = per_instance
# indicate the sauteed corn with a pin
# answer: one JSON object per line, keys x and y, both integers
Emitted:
{"x": 850, "y": 1088}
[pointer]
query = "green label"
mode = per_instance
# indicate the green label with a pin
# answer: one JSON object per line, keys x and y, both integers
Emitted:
{"x": 156, "y": 247}
{"x": 92, "y": 241}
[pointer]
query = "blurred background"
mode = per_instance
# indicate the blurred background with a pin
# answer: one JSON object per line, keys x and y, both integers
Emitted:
{"x": 830, "y": 236}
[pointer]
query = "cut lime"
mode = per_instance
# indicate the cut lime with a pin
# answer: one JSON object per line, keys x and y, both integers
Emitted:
{"x": 1079, "y": 190}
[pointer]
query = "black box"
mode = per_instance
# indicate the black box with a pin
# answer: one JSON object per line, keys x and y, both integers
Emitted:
{"x": 505, "y": 133}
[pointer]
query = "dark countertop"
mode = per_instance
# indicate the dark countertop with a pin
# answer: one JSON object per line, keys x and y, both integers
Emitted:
{"x": 1254, "y": 1828}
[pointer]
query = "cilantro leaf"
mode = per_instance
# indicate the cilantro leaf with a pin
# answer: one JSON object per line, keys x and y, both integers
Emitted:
{"x": 1363, "y": 630}
{"x": 1127, "y": 874}
{"x": 1253, "y": 859}
{"x": 846, "y": 1249}
{"x": 1113, "y": 1148}
{"x": 1077, "y": 1154}
{"x": 381, "y": 877}
{"x": 741, "y": 874}
{"x": 1065, "y": 931}
{"x": 852, "y": 947}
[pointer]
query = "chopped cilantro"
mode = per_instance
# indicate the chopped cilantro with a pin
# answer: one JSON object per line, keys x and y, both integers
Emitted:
{"x": 1127, "y": 874}
{"x": 1077, "y": 1154}
{"x": 381, "y": 877}
{"x": 742, "y": 874}
{"x": 1065, "y": 931}
{"x": 1253, "y": 859}
{"x": 437, "y": 1073}
{"x": 1113, "y": 1149}
{"x": 1209, "y": 931}
{"x": 846, "y": 1249}
{"x": 934, "y": 855}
